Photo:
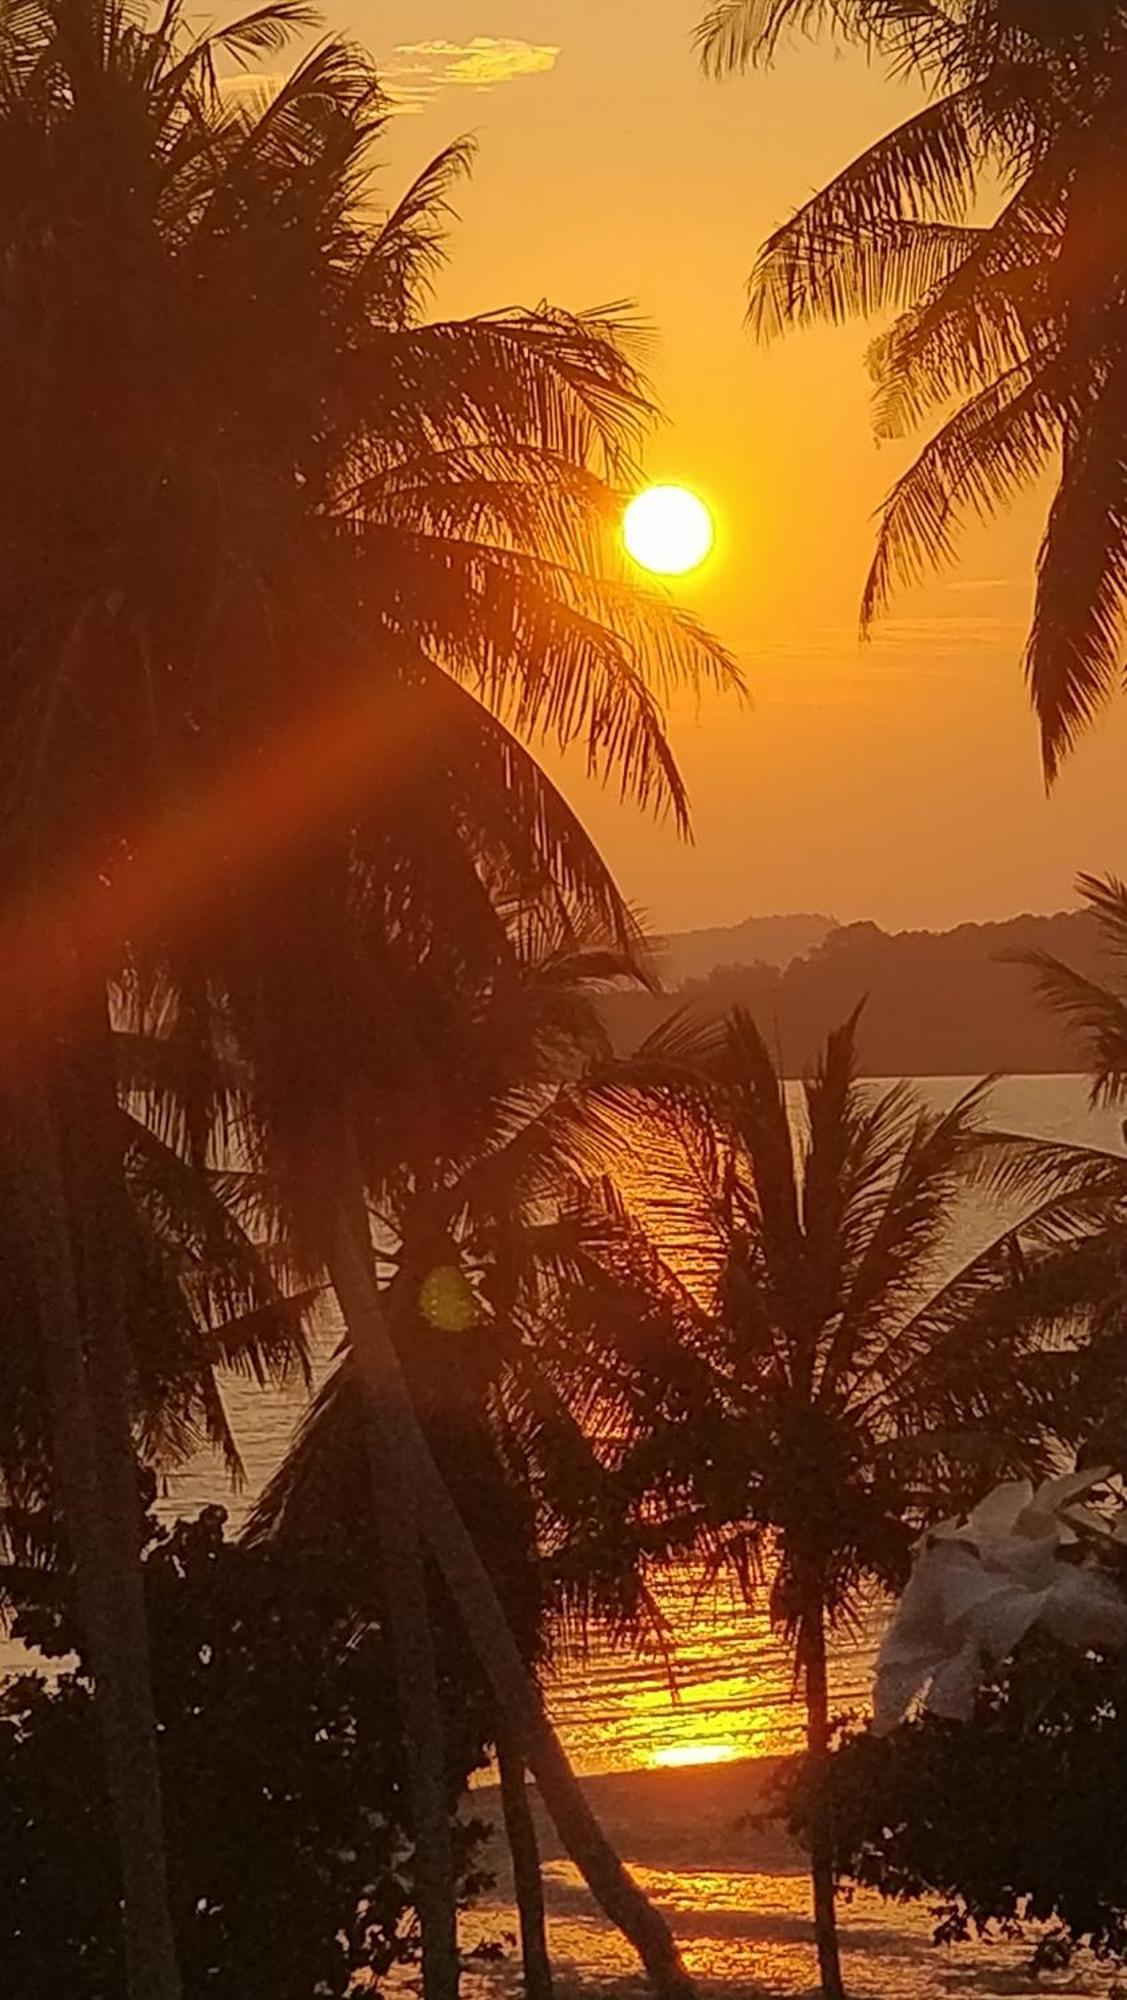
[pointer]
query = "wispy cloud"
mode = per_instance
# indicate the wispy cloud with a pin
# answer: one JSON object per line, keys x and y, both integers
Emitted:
{"x": 417, "y": 71}
{"x": 842, "y": 670}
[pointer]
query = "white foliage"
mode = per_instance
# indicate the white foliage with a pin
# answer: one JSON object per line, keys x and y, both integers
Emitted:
{"x": 979, "y": 1584}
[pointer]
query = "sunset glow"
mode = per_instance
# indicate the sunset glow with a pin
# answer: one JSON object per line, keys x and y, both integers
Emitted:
{"x": 678, "y": 1754}
{"x": 667, "y": 530}
{"x": 565, "y": 567}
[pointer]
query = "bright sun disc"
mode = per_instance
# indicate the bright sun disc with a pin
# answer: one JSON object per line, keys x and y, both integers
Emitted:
{"x": 667, "y": 529}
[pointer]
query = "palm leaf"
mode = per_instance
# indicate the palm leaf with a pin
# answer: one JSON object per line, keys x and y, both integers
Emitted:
{"x": 737, "y": 33}
{"x": 993, "y": 446}
{"x": 858, "y": 245}
{"x": 1095, "y": 1013}
{"x": 1074, "y": 654}
{"x": 916, "y": 1163}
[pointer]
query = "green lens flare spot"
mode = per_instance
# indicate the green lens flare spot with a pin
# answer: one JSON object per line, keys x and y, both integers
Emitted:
{"x": 447, "y": 1300}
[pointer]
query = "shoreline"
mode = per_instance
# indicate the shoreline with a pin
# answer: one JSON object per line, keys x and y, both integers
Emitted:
{"x": 736, "y": 1895}
{"x": 660, "y": 1812}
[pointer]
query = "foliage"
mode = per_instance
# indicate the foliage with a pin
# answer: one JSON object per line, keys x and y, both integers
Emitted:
{"x": 199, "y": 1293}
{"x": 1010, "y": 331}
{"x": 1024, "y": 1556}
{"x": 485, "y": 1176}
{"x": 853, "y": 1373}
{"x": 808, "y": 1366}
{"x": 1013, "y": 1817}
{"x": 306, "y": 805}
{"x": 269, "y": 784}
{"x": 296, "y": 582}
{"x": 282, "y": 1778}
{"x": 413, "y": 573}
{"x": 1094, "y": 1009}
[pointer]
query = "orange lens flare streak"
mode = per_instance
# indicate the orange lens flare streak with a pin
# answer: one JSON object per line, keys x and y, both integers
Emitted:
{"x": 262, "y": 806}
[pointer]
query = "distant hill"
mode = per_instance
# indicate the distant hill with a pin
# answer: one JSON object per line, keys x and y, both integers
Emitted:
{"x": 757, "y": 941}
{"x": 941, "y": 1003}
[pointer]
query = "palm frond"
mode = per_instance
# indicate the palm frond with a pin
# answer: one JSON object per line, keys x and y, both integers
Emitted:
{"x": 482, "y": 775}
{"x": 562, "y": 666}
{"x": 1096, "y": 1014}
{"x": 1073, "y": 659}
{"x": 324, "y": 1478}
{"x": 397, "y": 272}
{"x": 828, "y": 1173}
{"x": 266, "y": 31}
{"x": 915, "y": 1165}
{"x": 736, "y": 34}
{"x": 1106, "y": 898}
{"x": 978, "y": 321}
{"x": 993, "y": 446}
{"x": 224, "y": 1276}
{"x": 756, "y": 1109}
{"x": 863, "y": 242}
{"x": 1015, "y": 1168}
{"x": 969, "y": 1344}
{"x": 563, "y": 382}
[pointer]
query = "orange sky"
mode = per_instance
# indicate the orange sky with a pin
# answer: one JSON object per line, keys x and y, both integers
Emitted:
{"x": 897, "y": 781}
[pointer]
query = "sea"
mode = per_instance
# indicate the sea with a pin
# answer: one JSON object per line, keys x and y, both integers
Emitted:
{"x": 679, "y": 1744}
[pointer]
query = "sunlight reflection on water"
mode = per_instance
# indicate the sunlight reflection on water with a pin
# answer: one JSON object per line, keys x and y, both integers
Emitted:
{"x": 674, "y": 1755}
{"x": 730, "y": 1694}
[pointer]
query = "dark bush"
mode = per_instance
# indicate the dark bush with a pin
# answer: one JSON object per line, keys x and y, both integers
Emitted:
{"x": 283, "y": 1785}
{"x": 1015, "y": 1817}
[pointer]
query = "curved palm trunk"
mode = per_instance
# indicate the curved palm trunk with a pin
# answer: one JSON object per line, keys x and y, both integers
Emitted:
{"x": 821, "y": 1830}
{"x": 528, "y": 1884}
{"x": 471, "y": 1588}
{"x": 416, "y": 1678}
{"x": 94, "y": 1467}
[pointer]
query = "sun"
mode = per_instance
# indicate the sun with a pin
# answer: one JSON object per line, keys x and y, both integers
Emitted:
{"x": 667, "y": 530}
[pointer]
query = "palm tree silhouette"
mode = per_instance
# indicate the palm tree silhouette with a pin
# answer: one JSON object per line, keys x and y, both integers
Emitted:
{"x": 483, "y": 1181}
{"x": 1017, "y": 322}
{"x": 293, "y": 581}
{"x": 833, "y": 1368}
{"x": 135, "y": 1210}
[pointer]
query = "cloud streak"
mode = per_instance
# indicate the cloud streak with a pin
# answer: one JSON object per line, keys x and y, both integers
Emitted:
{"x": 417, "y": 71}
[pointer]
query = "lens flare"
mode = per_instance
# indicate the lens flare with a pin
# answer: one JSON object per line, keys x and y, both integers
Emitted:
{"x": 447, "y": 1300}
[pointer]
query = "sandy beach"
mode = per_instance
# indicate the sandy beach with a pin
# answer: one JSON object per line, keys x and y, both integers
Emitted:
{"x": 738, "y": 1899}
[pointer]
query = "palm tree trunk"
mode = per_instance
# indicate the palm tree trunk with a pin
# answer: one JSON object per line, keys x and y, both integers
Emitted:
{"x": 91, "y": 1440}
{"x": 528, "y": 1883}
{"x": 395, "y": 1506}
{"x": 821, "y": 1827}
{"x": 416, "y": 1678}
{"x": 471, "y": 1588}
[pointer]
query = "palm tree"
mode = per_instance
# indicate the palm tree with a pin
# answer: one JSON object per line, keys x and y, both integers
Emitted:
{"x": 834, "y": 1366}
{"x": 1018, "y": 322}
{"x": 318, "y": 586}
{"x": 189, "y": 1280}
{"x": 482, "y": 1177}
{"x": 209, "y": 1300}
